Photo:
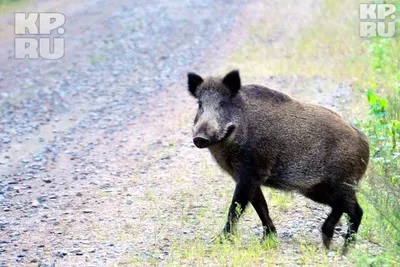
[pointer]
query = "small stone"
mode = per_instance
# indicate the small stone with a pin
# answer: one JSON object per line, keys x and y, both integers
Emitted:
{"x": 77, "y": 252}
{"x": 331, "y": 253}
{"x": 129, "y": 202}
{"x": 47, "y": 181}
{"x": 15, "y": 234}
{"x": 61, "y": 254}
{"x": 286, "y": 234}
{"x": 35, "y": 204}
{"x": 42, "y": 199}
{"x": 87, "y": 211}
{"x": 37, "y": 158}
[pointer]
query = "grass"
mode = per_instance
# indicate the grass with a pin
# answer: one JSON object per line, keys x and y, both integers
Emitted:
{"x": 283, "y": 200}
{"x": 333, "y": 32}
{"x": 239, "y": 253}
{"x": 203, "y": 218}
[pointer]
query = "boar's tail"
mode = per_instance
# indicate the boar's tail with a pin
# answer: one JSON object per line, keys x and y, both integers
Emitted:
{"x": 363, "y": 149}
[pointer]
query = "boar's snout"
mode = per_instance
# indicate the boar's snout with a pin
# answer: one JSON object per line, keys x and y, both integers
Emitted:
{"x": 201, "y": 142}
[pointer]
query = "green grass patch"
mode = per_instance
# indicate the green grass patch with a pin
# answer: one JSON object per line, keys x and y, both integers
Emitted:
{"x": 251, "y": 252}
{"x": 238, "y": 253}
{"x": 283, "y": 200}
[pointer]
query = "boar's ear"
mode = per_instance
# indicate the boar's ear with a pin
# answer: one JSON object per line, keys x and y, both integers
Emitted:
{"x": 194, "y": 81}
{"x": 232, "y": 81}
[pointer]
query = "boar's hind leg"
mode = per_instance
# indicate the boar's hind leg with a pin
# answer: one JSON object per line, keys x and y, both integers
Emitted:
{"x": 329, "y": 195}
{"x": 329, "y": 225}
{"x": 244, "y": 192}
{"x": 261, "y": 207}
{"x": 342, "y": 200}
{"x": 355, "y": 213}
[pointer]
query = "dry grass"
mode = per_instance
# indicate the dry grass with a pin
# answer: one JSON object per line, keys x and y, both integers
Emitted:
{"x": 328, "y": 46}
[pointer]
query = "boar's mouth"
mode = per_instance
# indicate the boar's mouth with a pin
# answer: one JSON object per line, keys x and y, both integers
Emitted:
{"x": 228, "y": 131}
{"x": 203, "y": 142}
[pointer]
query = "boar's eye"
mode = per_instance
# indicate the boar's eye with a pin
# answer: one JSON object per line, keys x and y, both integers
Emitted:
{"x": 200, "y": 104}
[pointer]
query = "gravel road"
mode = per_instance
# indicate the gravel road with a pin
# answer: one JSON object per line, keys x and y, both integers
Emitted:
{"x": 54, "y": 114}
{"x": 97, "y": 167}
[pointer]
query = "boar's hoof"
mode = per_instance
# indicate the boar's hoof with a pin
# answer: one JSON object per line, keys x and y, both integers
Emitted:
{"x": 327, "y": 240}
{"x": 222, "y": 239}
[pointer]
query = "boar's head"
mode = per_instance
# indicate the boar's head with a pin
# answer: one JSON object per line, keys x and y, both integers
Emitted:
{"x": 217, "y": 114}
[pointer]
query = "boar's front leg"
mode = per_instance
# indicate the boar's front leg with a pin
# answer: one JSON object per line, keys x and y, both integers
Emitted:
{"x": 261, "y": 207}
{"x": 244, "y": 192}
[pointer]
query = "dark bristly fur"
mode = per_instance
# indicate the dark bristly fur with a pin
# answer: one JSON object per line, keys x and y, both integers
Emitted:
{"x": 264, "y": 137}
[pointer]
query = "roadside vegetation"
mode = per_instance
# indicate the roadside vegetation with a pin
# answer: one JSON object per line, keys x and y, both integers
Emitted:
{"x": 380, "y": 193}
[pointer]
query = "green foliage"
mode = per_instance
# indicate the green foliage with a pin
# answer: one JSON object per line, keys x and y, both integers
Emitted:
{"x": 380, "y": 194}
{"x": 238, "y": 209}
{"x": 383, "y": 130}
{"x": 384, "y": 60}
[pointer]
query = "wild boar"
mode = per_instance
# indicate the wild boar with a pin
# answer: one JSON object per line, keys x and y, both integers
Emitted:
{"x": 262, "y": 137}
